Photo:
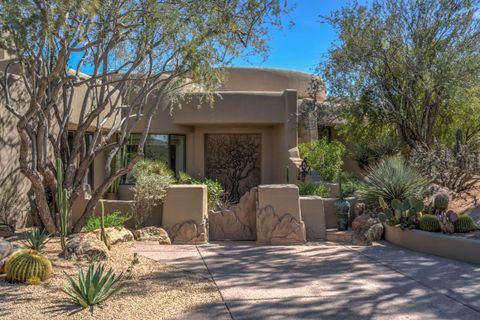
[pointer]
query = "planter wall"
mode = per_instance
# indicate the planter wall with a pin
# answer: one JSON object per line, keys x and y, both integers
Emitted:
{"x": 313, "y": 215}
{"x": 447, "y": 246}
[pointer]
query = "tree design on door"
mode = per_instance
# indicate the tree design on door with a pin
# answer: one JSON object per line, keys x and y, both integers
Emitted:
{"x": 234, "y": 161}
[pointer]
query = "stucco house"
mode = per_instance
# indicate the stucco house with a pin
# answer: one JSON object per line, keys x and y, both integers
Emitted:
{"x": 248, "y": 137}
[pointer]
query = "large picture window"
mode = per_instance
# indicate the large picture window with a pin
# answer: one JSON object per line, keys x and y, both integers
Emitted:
{"x": 163, "y": 147}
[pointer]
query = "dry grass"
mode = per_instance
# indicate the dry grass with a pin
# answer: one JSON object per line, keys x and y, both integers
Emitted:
{"x": 155, "y": 291}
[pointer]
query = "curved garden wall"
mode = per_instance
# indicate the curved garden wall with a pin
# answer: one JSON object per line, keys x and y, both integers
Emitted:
{"x": 447, "y": 246}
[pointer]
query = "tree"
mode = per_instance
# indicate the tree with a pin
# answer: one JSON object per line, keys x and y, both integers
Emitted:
{"x": 408, "y": 57}
{"x": 137, "y": 53}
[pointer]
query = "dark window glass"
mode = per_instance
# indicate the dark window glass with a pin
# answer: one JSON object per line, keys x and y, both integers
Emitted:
{"x": 325, "y": 132}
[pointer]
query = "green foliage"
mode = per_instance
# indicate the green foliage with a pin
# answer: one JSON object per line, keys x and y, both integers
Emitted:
{"x": 62, "y": 204}
{"x": 405, "y": 213}
{"x": 214, "y": 188}
{"x": 367, "y": 153}
{"x": 36, "y": 239}
{"x": 429, "y": 222}
{"x": 28, "y": 266}
{"x": 314, "y": 189}
{"x": 390, "y": 179}
{"x": 350, "y": 184}
{"x": 152, "y": 178}
{"x": 115, "y": 219}
{"x": 94, "y": 287}
{"x": 464, "y": 223}
{"x": 325, "y": 158}
{"x": 408, "y": 61}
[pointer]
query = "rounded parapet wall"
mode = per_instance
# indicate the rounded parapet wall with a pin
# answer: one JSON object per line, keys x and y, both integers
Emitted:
{"x": 447, "y": 246}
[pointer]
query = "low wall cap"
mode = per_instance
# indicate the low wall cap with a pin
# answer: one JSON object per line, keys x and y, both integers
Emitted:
{"x": 277, "y": 186}
{"x": 188, "y": 186}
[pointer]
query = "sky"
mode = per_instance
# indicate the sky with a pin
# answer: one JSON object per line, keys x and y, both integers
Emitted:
{"x": 302, "y": 46}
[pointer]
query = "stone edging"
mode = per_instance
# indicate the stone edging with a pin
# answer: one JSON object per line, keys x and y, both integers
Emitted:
{"x": 447, "y": 246}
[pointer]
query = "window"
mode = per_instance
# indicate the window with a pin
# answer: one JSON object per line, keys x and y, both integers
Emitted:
{"x": 167, "y": 148}
{"x": 325, "y": 132}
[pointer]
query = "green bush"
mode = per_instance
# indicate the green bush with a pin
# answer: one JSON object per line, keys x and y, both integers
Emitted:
{"x": 214, "y": 189}
{"x": 369, "y": 153}
{"x": 350, "y": 184}
{"x": 325, "y": 158}
{"x": 115, "y": 219}
{"x": 313, "y": 189}
{"x": 390, "y": 179}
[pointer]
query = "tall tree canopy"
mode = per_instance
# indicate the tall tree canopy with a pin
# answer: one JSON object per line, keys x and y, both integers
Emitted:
{"x": 404, "y": 60}
{"x": 137, "y": 51}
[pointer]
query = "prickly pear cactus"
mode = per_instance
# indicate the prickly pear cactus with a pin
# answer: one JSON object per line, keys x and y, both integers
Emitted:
{"x": 464, "y": 224}
{"x": 28, "y": 266}
{"x": 440, "y": 202}
{"x": 429, "y": 222}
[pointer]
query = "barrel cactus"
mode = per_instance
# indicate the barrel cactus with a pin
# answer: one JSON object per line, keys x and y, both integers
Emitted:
{"x": 440, "y": 202}
{"x": 429, "y": 222}
{"x": 464, "y": 223}
{"x": 28, "y": 266}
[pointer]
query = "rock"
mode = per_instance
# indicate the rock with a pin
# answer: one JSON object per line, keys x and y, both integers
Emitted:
{"x": 86, "y": 245}
{"x": 366, "y": 228}
{"x": 115, "y": 235}
{"x": 275, "y": 230}
{"x": 152, "y": 234}
{"x": 475, "y": 215}
{"x": 6, "y": 230}
{"x": 188, "y": 232}
{"x": 236, "y": 222}
{"x": 6, "y": 248}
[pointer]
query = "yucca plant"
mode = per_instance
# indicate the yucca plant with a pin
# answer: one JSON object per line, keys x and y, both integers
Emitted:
{"x": 390, "y": 179}
{"x": 36, "y": 239}
{"x": 94, "y": 287}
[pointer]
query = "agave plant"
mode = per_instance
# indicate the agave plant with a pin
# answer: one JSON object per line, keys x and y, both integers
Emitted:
{"x": 36, "y": 239}
{"x": 94, "y": 287}
{"x": 391, "y": 179}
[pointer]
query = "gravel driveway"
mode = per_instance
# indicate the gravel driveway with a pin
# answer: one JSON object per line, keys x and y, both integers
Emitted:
{"x": 327, "y": 281}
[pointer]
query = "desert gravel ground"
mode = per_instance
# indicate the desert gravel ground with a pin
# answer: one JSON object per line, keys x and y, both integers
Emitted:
{"x": 154, "y": 291}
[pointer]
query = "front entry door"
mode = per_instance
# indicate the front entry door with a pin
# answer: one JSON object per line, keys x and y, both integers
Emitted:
{"x": 234, "y": 160}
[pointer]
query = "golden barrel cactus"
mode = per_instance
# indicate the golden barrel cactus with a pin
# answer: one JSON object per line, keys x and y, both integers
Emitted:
{"x": 28, "y": 266}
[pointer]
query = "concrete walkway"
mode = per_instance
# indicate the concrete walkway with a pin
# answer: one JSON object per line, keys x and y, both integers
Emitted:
{"x": 327, "y": 281}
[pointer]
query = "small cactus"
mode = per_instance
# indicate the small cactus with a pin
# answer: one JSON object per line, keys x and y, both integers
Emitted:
{"x": 429, "y": 222}
{"x": 464, "y": 223}
{"x": 28, "y": 266}
{"x": 440, "y": 202}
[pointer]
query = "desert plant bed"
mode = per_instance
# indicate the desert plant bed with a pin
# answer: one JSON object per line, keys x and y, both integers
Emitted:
{"x": 152, "y": 290}
{"x": 462, "y": 246}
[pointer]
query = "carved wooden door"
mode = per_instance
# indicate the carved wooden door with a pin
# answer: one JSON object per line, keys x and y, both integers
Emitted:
{"x": 234, "y": 160}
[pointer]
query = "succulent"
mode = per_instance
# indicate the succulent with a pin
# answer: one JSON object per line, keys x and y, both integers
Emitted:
{"x": 429, "y": 222}
{"x": 447, "y": 220}
{"x": 36, "y": 239}
{"x": 440, "y": 202}
{"x": 404, "y": 212}
{"x": 464, "y": 223}
{"x": 28, "y": 266}
{"x": 94, "y": 287}
{"x": 62, "y": 204}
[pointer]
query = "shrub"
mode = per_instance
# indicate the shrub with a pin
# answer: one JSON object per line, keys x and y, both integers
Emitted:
{"x": 36, "y": 239}
{"x": 95, "y": 287}
{"x": 325, "y": 158}
{"x": 456, "y": 170}
{"x": 390, "y": 179}
{"x": 152, "y": 177}
{"x": 464, "y": 223}
{"x": 429, "y": 222}
{"x": 314, "y": 189}
{"x": 214, "y": 189}
{"x": 350, "y": 184}
{"x": 28, "y": 266}
{"x": 115, "y": 219}
{"x": 367, "y": 154}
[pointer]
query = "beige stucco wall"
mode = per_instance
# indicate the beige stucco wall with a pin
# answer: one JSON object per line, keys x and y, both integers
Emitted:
{"x": 313, "y": 216}
{"x": 284, "y": 199}
{"x": 185, "y": 203}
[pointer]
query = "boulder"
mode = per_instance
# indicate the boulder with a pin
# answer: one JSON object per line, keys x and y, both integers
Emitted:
{"x": 366, "y": 229}
{"x": 475, "y": 215}
{"x": 6, "y": 248}
{"x": 152, "y": 234}
{"x": 115, "y": 235}
{"x": 6, "y": 230}
{"x": 188, "y": 232}
{"x": 86, "y": 245}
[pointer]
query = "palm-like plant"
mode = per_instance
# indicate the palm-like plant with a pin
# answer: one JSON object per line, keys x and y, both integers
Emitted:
{"x": 36, "y": 239}
{"x": 390, "y": 179}
{"x": 94, "y": 287}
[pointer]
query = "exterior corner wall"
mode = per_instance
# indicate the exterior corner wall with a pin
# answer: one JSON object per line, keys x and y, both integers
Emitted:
{"x": 313, "y": 216}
